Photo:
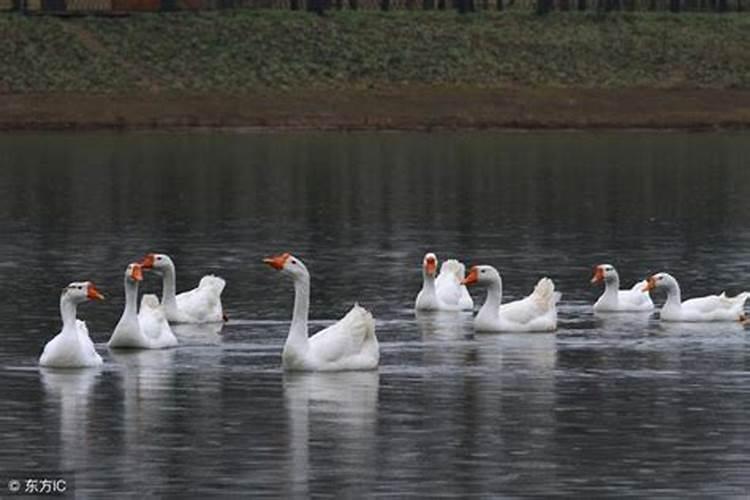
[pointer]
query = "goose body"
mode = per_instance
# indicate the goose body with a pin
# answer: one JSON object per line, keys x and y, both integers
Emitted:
{"x": 199, "y": 305}
{"x": 535, "y": 313}
{"x": 615, "y": 300}
{"x": 349, "y": 344}
{"x": 445, "y": 292}
{"x": 72, "y": 347}
{"x": 144, "y": 329}
{"x": 702, "y": 309}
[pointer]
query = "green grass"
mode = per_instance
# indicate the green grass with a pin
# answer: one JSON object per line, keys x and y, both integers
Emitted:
{"x": 249, "y": 50}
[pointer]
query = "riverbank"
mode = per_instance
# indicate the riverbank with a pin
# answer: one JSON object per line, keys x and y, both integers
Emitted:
{"x": 372, "y": 70}
{"x": 409, "y": 108}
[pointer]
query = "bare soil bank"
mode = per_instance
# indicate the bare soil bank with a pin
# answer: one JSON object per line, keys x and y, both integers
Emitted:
{"x": 397, "y": 108}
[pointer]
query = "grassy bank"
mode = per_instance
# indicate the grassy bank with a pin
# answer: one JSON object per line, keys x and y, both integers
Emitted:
{"x": 220, "y": 60}
{"x": 250, "y": 50}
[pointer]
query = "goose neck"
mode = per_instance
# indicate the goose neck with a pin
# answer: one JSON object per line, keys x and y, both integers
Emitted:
{"x": 298, "y": 329}
{"x": 611, "y": 288}
{"x": 674, "y": 295}
{"x": 169, "y": 294}
{"x": 494, "y": 299}
{"x": 68, "y": 310}
{"x": 428, "y": 283}
{"x": 131, "y": 298}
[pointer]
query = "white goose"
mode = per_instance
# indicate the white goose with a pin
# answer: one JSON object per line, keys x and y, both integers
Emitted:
{"x": 444, "y": 293}
{"x": 147, "y": 329}
{"x": 72, "y": 347}
{"x": 615, "y": 300}
{"x": 199, "y": 305}
{"x": 702, "y": 309}
{"x": 350, "y": 344}
{"x": 535, "y": 313}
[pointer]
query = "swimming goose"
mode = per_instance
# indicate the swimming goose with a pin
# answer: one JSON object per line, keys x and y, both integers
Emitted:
{"x": 709, "y": 308}
{"x": 147, "y": 329}
{"x": 72, "y": 347}
{"x": 535, "y": 313}
{"x": 615, "y": 300}
{"x": 199, "y": 305}
{"x": 350, "y": 344}
{"x": 444, "y": 292}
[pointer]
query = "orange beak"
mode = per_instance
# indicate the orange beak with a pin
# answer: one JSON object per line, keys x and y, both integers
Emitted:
{"x": 137, "y": 273}
{"x": 598, "y": 275}
{"x": 148, "y": 261}
{"x": 472, "y": 278}
{"x": 277, "y": 261}
{"x": 92, "y": 293}
{"x": 430, "y": 266}
{"x": 650, "y": 284}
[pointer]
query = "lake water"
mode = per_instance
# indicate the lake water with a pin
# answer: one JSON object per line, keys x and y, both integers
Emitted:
{"x": 607, "y": 407}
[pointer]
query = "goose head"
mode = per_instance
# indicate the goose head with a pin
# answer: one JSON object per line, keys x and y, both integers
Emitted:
{"x": 134, "y": 272}
{"x": 429, "y": 264}
{"x": 156, "y": 262}
{"x": 660, "y": 280}
{"x": 604, "y": 273}
{"x": 289, "y": 265}
{"x": 79, "y": 292}
{"x": 481, "y": 275}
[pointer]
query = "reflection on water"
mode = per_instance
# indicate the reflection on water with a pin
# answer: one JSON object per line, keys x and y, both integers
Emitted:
{"x": 69, "y": 393}
{"x": 146, "y": 385}
{"x": 207, "y": 333}
{"x": 534, "y": 353}
{"x": 444, "y": 325}
{"x": 702, "y": 331}
{"x": 611, "y": 405}
{"x": 335, "y": 413}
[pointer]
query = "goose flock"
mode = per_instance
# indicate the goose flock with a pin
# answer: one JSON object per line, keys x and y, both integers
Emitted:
{"x": 351, "y": 343}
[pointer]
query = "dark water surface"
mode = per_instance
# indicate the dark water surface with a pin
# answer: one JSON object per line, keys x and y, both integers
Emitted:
{"x": 609, "y": 406}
